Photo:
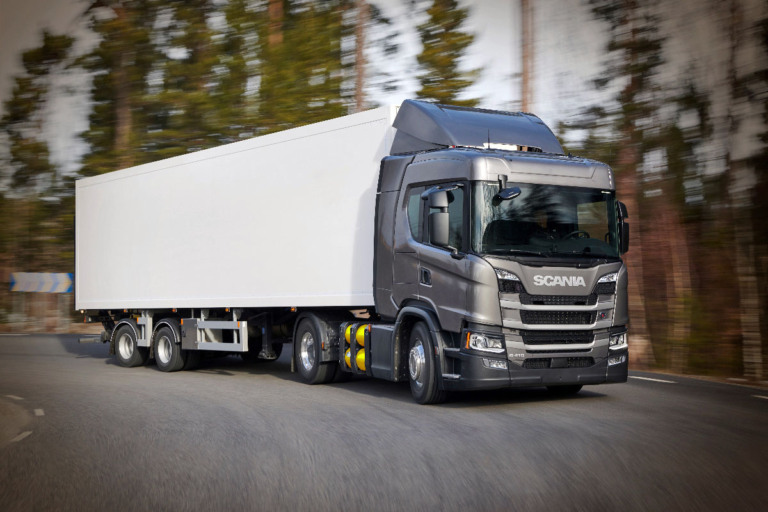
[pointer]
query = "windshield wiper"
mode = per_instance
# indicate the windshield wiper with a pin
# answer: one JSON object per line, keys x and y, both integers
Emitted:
{"x": 517, "y": 251}
{"x": 581, "y": 253}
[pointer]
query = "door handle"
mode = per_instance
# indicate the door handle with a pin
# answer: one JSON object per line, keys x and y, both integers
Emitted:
{"x": 425, "y": 276}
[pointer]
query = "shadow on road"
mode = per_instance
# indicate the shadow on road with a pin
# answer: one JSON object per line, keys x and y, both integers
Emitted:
{"x": 228, "y": 364}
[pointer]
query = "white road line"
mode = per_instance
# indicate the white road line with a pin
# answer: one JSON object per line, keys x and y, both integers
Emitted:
{"x": 14, "y": 397}
{"x": 761, "y": 396}
{"x": 6, "y": 334}
{"x": 39, "y": 412}
{"x": 653, "y": 380}
{"x": 21, "y": 436}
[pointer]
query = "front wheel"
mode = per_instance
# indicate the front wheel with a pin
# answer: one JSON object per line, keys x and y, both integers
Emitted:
{"x": 306, "y": 352}
{"x": 422, "y": 370}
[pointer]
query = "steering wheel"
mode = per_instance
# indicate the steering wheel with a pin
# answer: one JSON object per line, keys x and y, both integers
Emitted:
{"x": 577, "y": 234}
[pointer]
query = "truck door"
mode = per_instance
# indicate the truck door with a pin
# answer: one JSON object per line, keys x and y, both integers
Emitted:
{"x": 407, "y": 240}
{"x": 442, "y": 271}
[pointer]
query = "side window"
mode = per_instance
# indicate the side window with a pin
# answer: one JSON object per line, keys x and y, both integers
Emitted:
{"x": 456, "y": 219}
{"x": 414, "y": 211}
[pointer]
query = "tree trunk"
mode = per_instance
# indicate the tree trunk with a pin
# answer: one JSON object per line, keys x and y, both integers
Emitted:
{"x": 276, "y": 14}
{"x": 360, "y": 27}
{"x": 123, "y": 114}
{"x": 739, "y": 198}
{"x": 527, "y": 72}
{"x": 627, "y": 188}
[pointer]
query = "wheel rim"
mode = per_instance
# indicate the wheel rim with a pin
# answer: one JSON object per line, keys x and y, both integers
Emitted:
{"x": 307, "y": 351}
{"x": 416, "y": 363}
{"x": 125, "y": 346}
{"x": 163, "y": 350}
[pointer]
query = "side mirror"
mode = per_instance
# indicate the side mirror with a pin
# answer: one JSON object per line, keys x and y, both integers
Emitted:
{"x": 623, "y": 211}
{"x": 438, "y": 229}
{"x": 624, "y": 237}
{"x": 623, "y": 228}
{"x": 439, "y": 199}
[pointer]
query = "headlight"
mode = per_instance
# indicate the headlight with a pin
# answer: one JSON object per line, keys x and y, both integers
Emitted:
{"x": 484, "y": 342}
{"x": 607, "y": 284}
{"x": 506, "y": 274}
{"x": 618, "y": 341}
{"x": 508, "y": 282}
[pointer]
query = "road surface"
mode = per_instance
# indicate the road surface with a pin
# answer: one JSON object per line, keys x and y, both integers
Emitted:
{"x": 78, "y": 432}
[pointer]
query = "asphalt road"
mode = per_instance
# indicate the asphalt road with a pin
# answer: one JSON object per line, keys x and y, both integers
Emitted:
{"x": 78, "y": 432}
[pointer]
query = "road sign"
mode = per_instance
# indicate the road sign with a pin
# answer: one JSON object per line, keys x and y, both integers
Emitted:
{"x": 41, "y": 282}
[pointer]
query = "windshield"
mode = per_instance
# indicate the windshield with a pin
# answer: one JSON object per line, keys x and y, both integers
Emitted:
{"x": 544, "y": 220}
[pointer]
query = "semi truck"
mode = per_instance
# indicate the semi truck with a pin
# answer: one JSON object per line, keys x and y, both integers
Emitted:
{"x": 454, "y": 248}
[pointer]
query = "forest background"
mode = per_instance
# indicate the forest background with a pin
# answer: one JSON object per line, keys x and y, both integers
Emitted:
{"x": 672, "y": 94}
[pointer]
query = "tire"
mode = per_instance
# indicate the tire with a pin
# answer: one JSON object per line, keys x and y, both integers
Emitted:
{"x": 422, "y": 370}
{"x": 564, "y": 390}
{"x": 127, "y": 351}
{"x": 193, "y": 359}
{"x": 307, "y": 354}
{"x": 169, "y": 356}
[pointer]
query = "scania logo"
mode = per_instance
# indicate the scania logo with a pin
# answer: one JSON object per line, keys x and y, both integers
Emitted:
{"x": 559, "y": 281}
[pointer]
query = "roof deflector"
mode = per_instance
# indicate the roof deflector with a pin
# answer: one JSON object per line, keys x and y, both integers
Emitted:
{"x": 422, "y": 126}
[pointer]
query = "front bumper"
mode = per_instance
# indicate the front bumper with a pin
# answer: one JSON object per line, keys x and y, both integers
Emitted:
{"x": 473, "y": 372}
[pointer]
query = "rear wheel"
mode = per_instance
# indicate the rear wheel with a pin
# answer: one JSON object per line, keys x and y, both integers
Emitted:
{"x": 307, "y": 346}
{"x": 128, "y": 353}
{"x": 422, "y": 371}
{"x": 168, "y": 354}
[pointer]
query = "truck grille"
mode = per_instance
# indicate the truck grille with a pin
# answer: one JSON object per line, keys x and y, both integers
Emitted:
{"x": 557, "y": 337}
{"x": 557, "y": 317}
{"x": 540, "y": 363}
{"x": 559, "y": 300}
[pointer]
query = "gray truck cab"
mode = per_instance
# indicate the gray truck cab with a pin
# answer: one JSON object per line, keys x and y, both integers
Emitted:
{"x": 509, "y": 249}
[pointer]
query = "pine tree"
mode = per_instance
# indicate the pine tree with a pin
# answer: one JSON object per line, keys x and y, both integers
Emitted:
{"x": 183, "y": 106}
{"x": 636, "y": 49}
{"x": 369, "y": 38}
{"x": 443, "y": 45}
{"x": 120, "y": 65}
{"x": 30, "y": 167}
{"x": 37, "y": 219}
{"x": 301, "y": 70}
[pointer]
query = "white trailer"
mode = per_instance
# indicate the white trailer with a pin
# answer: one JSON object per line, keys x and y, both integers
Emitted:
{"x": 241, "y": 225}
